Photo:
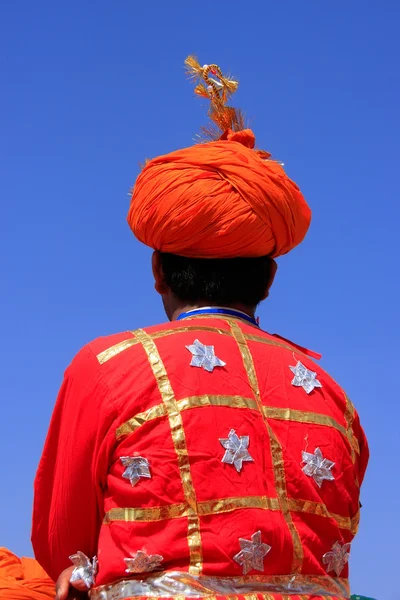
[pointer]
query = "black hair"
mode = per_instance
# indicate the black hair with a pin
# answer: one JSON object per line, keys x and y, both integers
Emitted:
{"x": 217, "y": 281}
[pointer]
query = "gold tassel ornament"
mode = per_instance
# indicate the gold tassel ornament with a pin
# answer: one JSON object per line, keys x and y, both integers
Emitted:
{"x": 218, "y": 88}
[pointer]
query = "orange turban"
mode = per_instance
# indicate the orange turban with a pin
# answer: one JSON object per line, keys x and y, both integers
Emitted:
{"x": 221, "y": 199}
{"x": 23, "y": 579}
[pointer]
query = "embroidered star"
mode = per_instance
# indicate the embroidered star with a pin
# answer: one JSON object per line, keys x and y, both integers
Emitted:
{"x": 204, "y": 356}
{"x": 317, "y": 467}
{"x": 236, "y": 450}
{"x": 304, "y": 378}
{"x": 85, "y": 569}
{"x": 136, "y": 467}
{"x": 251, "y": 555}
{"x": 336, "y": 558}
{"x": 142, "y": 562}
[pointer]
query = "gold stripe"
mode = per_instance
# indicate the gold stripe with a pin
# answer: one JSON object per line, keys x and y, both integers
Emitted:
{"x": 116, "y": 349}
{"x": 159, "y": 410}
{"x": 276, "y": 449}
{"x": 216, "y": 400}
{"x": 251, "y": 337}
{"x": 186, "y": 328}
{"x": 355, "y": 521}
{"x": 109, "y": 353}
{"x": 264, "y": 340}
{"x": 149, "y": 514}
{"x": 349, "y": 415}
{"x": 223, "y": 505}
{"x": 104, "y": 356}
{"x": 179, "y": 441}
{"x": 154, "y": 412}
{"x": 251, "y": 597}
{"x": 213, "y": 316}
{"x": 247, "y": 360}
{"x": 315, "y": 508}
{"x": 283, "y": 414}
{"x": 300, "y": 416}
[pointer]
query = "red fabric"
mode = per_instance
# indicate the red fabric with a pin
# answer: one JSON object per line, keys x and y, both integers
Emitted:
{"x": 80, "y": 473}
{"x": 23, "y": 579}
{"x": 218, "y": 200}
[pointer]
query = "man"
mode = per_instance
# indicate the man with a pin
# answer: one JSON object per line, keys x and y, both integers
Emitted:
{"x": 203, "y": 456}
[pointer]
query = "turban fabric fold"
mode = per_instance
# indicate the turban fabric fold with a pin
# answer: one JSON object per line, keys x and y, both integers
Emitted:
{"x": 23, "y": 579}
{"x": 220, "y": 199}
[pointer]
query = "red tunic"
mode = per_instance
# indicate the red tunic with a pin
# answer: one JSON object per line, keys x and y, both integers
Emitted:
{"x": 136, "y": 395}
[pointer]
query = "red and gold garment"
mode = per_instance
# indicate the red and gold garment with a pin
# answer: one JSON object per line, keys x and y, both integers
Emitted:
{"x": 202, "y": 457}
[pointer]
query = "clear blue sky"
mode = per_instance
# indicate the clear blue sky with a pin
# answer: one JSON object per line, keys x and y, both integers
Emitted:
{"x": 90, "y": 89}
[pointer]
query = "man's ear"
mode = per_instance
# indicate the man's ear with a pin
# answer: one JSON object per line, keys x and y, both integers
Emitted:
{"x": 273, "y": 267}
{"x": 159, "y": 281}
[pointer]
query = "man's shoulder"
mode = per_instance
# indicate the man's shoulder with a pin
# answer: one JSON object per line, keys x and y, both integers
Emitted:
{"x": 105, "y": 347}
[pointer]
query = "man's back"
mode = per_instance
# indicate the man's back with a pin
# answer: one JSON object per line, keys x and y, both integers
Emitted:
{"x": 223, "y": 471}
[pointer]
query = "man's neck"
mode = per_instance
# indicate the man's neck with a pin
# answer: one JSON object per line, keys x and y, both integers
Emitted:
{"x": 188, "y": 307}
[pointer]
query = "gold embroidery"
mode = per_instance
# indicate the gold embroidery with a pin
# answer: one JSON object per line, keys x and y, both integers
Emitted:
{"x": 149, "y": 514}
{"x": 154, "y": 412}
{"x": 276, "y": 449}
{"x": 179, "y": 441}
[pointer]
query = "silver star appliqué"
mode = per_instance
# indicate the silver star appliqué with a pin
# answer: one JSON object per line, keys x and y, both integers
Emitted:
{"x": 317, "y": 467}
{"x": 204, "y": 356}
{"x": 251, "y": 555}
{"x": 304, "y": 378}
{"x": 336, "y": 558}
{"x": 136, "y": 467}
{"x": 85, "y": 569}
{"x": 142, "y": 562}
{"x": 236, "y": 450}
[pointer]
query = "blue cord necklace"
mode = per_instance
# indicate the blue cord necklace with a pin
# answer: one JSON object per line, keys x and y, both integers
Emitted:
{"x": 228, "y": 312}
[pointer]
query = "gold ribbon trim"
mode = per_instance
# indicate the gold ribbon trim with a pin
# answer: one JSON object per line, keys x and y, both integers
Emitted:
{"x": 349, "y": 415}
{"x": 276, "y": 449}
{"x": 223, "y": 505}
{"x": 179, "y": 441}
{"x": 155, "y": 412}
{"x": 270, "y": 412}
{"x": 109, "y": 353}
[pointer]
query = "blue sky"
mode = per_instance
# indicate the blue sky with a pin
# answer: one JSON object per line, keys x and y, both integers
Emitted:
{"x": 90, "y": 89}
